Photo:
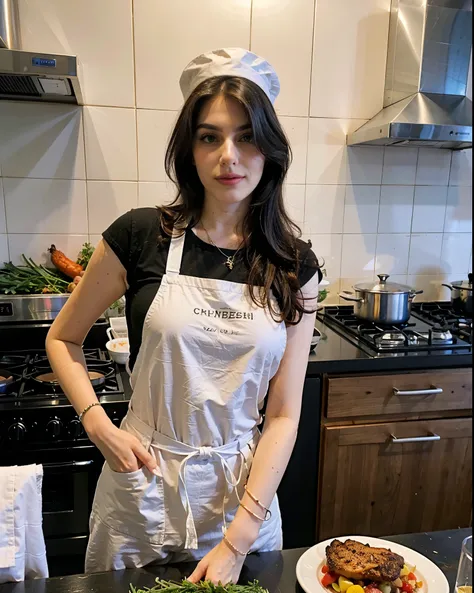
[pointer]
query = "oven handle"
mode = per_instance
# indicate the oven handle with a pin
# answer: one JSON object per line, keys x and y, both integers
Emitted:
{"x": 68, "y": 464}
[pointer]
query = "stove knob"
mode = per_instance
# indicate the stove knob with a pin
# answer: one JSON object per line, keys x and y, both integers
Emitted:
{"x": 17, "y": 432}
{"x": 75, "y": 429}
{"x": 53, "y": 428}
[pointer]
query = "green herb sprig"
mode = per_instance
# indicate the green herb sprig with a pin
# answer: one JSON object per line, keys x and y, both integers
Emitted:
{"x": 201, "y": 587}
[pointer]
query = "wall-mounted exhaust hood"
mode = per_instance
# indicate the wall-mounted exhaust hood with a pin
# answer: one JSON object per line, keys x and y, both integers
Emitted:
{"x": 33, "y": 76}
{"x": 425, "y": 103}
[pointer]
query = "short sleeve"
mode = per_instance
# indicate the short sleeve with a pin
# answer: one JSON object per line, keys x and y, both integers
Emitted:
{"x": 119, "y": 237}
{"x": 309, "y": 265}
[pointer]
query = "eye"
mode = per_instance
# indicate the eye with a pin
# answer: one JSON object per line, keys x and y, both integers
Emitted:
{"x": 208, "y": 138}
{"x": 247, "y": 138}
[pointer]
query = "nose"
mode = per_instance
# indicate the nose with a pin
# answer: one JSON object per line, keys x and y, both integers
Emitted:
{"x": 229, "y": 155}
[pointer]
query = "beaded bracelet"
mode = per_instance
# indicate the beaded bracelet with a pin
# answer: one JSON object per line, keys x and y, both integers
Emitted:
{"x": 232, "y": 547}
{"x": 86, "y": 409}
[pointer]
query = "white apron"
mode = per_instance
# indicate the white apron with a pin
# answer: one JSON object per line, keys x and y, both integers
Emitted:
{"x": 206, "y": 358}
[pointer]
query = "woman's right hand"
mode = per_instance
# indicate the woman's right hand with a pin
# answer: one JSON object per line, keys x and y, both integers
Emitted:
{"x": 123, "y": 451}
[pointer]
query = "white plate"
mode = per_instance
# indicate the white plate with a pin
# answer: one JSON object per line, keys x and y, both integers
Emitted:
{"x": 308, "y": 569}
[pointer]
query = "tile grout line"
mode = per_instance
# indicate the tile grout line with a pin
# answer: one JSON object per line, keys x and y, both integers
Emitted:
{"x": 411, "y": 233}
{"x": 315, "y": 5}
{"x": 2, "y": 187}
{"x": 251, "y": 25}
{"x": 135, "y": 96}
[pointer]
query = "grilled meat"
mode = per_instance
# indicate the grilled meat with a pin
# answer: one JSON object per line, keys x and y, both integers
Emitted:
{"x": 354, "y": 560}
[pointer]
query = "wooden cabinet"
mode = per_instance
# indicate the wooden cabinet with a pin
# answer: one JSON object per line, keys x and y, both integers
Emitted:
{"x": 395, "y": 464}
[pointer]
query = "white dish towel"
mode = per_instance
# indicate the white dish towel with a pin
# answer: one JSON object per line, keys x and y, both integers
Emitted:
{"x": 22, "y": 547}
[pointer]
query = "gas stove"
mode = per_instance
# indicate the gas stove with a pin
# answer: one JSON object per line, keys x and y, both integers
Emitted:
{"x": 39, "y": 425}
{"x": 432, "y": 328}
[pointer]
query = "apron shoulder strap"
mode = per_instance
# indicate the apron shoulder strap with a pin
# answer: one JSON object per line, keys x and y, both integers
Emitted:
{"x": 175, "y": 254}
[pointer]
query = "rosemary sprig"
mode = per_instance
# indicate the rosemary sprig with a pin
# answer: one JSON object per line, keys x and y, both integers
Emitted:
{"x": 201, "y": 587}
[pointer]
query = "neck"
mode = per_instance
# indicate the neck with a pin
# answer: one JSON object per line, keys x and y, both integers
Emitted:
{"x": 224, "y": 220}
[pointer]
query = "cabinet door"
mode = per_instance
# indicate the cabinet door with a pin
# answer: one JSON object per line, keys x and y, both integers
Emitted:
{"x": 373, "y": 485}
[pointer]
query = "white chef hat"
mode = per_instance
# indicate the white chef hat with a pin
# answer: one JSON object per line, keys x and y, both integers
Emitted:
{"x": 230, "y": 61}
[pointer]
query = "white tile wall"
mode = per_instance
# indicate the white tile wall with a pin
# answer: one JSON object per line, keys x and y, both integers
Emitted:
{"x": 99, "y": 33}
{"x": 324, "y": 209}
{"x": 294, "y": 198}
{"x": 399, "y": 166}
{"x": 4, "y": 255}
{"x": 153, "y": 131}
{"x": 3, "y": 224}
{"x": 361, "y": 210}
{"x": 107, "y": 200}
{"x": 459, "y": 210}
{"x": 170, "y": 33}
{"x": 391, "y": 254}
{"x": 358, "y": 255}
{"x": 396, "y": 209}
{"x": 69, "y": 171}
{"x": 429, "y": 209}
{"x": 45, "y": 205}
{"x": 348, "y": 67}
{"x": 46, "y": 142}
{"x": 288, "y": 53}
{"x": 111, "y": 143}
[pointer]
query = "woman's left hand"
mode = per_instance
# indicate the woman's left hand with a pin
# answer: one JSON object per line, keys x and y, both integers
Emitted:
{"x": 221, "y": 564}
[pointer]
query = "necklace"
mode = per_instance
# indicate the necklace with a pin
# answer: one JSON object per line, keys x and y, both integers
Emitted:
{"x": 229, "y": 259}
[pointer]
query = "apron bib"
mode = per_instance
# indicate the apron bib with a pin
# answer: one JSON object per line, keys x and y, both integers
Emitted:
{"x": 205, "y": 362}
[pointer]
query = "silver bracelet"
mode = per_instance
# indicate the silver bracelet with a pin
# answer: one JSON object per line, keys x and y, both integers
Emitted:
{"x": 86, "y": 409}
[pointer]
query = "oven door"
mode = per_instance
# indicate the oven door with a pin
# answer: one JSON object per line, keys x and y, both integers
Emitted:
{"x": 69, "y": 480}
{"x": 68, "y": 490}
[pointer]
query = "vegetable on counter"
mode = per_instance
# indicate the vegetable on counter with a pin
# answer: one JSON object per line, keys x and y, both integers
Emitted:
{"x": 85, "y": 255}
{"x": 201, "y": 587}
{"x": 31, "y": 279}
{"x": 64, "y": 264}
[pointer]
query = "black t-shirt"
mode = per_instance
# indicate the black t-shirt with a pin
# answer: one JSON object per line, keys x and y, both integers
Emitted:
{"x": 134, "y": 238}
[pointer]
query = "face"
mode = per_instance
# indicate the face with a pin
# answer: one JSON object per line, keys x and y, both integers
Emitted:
{"x": 228, "y": 163}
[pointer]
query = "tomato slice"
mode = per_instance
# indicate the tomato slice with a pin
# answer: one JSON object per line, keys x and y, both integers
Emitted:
{"x": 325, "y": 569}
{"x": 406, "y": 587}
{"x": 328, "y": 579}
{"x": 411, "y": 576}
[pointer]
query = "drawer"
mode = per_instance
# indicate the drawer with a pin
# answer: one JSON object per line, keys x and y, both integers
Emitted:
{"x": 407, "y": 393}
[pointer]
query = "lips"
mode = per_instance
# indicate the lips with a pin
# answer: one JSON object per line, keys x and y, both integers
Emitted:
{"x": 229, "y": 179}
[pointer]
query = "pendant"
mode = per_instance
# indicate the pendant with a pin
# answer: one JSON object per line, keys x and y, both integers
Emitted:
{"x": 230, "y": 262}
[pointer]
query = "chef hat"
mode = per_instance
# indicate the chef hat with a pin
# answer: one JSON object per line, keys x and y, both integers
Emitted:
{"x": 230, "y": 61}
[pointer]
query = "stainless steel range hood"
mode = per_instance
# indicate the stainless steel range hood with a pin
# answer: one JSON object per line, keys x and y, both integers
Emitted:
{"x": 425, "y": 103}
{"x": 33, "y": 76}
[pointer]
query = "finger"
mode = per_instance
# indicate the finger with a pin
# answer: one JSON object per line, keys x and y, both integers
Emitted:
{"x": 146, "y": 458}
{"x": 81, "y": 274}
{"x": 77, "y": 280}
{"x": 199, "y": 572}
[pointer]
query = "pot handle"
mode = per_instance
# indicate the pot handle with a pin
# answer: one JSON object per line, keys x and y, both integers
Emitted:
{"x": 414, "y": 293}
{"x": 109, "y": 333}
{"x": 448, "y": 286}
{"x": 348, "y": 296}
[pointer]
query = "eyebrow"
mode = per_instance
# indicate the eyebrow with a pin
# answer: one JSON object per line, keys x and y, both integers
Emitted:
{"x": 217, "y": 129}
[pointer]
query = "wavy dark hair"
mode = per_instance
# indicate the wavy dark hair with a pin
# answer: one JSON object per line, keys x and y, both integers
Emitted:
{"x": 270, "y": 250}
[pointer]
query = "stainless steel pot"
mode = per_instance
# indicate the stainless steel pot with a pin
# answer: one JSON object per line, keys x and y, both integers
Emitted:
{"x": 461, "y": 295}
{"x": 386, "y": 303}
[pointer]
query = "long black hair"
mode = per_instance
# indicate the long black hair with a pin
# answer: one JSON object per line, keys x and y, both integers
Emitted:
{"x": 271, "y": 236}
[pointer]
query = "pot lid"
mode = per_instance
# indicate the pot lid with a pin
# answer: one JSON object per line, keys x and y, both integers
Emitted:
{"x": 463, "y": 284}
{"x": 383, "y": 286}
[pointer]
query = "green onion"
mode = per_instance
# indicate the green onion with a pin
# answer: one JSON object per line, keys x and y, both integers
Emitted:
{"x": 201, "y": 587}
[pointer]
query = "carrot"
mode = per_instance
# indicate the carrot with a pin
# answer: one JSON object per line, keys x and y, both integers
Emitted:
{"x": 64, "y": 264}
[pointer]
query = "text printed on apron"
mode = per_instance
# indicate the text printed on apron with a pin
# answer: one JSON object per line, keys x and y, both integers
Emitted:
{"x": 205, "y": 362}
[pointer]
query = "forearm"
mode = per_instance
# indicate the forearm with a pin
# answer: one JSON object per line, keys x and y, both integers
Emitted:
{"x": 69, "y": 366}
{"x": 269, "y": 465}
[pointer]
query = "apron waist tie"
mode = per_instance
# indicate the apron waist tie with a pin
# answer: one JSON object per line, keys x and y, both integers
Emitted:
{"x": 165, "y": 443}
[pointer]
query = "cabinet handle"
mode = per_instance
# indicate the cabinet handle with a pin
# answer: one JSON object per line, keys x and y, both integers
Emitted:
{"x": 430, "y": 391}
{"x": 428, "y": 438}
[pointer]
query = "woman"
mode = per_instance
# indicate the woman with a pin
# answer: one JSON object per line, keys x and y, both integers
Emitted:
{"x": 220, "y": 311}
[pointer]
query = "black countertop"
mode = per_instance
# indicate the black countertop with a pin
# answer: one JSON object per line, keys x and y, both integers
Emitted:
{"x": 335, "y": 354}
{"x": 275, "y": 571}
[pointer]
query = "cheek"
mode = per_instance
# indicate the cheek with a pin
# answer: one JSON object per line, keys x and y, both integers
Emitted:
{"x": 255, "y": 164}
